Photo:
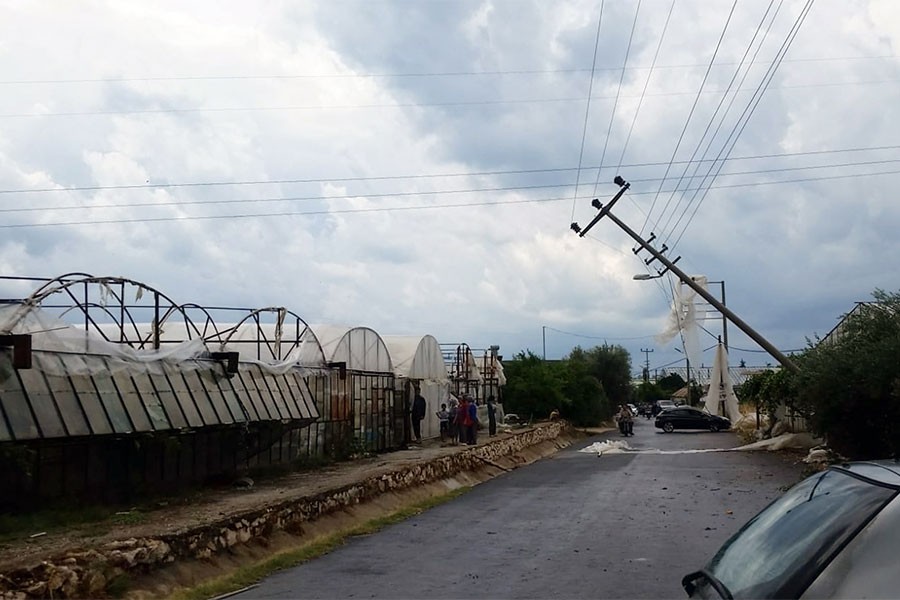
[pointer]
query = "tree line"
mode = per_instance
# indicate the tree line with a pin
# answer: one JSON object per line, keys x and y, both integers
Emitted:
{"x": 586, "y": 387}
{"x": 848, "y": 386}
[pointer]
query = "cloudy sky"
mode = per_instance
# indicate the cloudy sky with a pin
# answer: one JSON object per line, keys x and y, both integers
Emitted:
{"x": 414, "y": 165}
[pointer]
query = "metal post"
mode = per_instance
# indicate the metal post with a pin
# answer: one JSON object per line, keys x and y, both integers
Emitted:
{"x": 544, "y": 338}
{"x": 724, "y": 319}
{"x": 688, "y": 363}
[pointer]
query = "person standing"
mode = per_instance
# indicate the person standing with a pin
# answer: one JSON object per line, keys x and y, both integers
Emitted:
{"x": 454, "y": 427}
{"x": 418, "y": 413}
{"x": 473, "y": 422}
{"x": 444, "y": 419}
{"x": 492, "y": 416}
{"x": 463, "y": 420}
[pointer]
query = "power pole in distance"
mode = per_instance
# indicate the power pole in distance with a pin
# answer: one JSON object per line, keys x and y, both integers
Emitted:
{"x": 604, "y": 211}
{"x": 646, "y": 352}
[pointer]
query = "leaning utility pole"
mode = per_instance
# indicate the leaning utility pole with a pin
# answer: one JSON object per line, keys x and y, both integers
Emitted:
{"x": 604, "y": 211}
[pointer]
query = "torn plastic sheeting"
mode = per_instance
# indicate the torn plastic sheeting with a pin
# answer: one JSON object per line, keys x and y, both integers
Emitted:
{"x": 608, "y": 447}
{"x": 782, "y": 442}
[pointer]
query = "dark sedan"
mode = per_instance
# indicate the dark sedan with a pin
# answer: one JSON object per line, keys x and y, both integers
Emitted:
{"x": 685, "y": 417}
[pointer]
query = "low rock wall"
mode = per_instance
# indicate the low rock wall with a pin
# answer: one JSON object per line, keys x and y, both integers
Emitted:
{"x": 88, "y": 573}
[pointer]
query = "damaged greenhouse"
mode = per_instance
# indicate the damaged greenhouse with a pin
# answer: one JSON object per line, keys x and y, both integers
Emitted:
{"x": 111, "y": 391}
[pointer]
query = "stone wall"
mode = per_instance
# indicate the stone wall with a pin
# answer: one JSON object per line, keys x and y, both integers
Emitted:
{"x": 88, "y": 573}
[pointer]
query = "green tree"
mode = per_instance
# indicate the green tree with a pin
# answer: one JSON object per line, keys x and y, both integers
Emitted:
{"x": 533, "y": 386}
{"x": 611, "y": 365}
{"x": 648, "y": 391}
{"x": 586, "y": 402}
{"x": 849, "y": 387}
{"x": 670, "y": 384}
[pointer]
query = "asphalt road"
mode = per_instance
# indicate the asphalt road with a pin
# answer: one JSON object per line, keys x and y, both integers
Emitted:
{"x": 574, "y": 525}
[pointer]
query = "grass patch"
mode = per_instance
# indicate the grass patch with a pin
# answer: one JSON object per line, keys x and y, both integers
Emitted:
{"x": 251, "y": 574}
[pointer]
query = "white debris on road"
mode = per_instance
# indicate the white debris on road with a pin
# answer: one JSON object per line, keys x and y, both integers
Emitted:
{"x": 800, "y": 441}
{"x": 608, "y": 447}
{"x": 782, "y": 442}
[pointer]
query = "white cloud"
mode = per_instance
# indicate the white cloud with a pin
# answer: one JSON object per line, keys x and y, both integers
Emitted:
{"x": 213, "y": 92}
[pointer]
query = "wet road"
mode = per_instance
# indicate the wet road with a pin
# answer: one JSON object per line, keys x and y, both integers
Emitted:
{"x": 574, "y": 525}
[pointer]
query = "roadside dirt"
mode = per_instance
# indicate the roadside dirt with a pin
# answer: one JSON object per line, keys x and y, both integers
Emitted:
{"x": 179, "y": 515}
{"x": 190, "y": 573}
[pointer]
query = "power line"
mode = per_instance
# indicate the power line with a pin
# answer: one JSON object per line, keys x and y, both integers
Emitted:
{"x": 734, "y": 96}
{"x": 587, "y": 109}
{"x": 722, "y": 101}
{"x": 691, "y": 113}
{"x": 282, "y": 214}
{"x": 728, "y": 110}
{"x": 423, "y": 74}
{"x": 448, "y": 104}
{"x": 291, "y": 198}
{"x": 430, "y": 175}
{"x": 598, "y": 337}
{"x": 792, "y": 35}
{"x": 410, "y": 208}
{"x": 414, "y": 194}
{"x": 612, "y": 114}
{"x": 643, "y": 92}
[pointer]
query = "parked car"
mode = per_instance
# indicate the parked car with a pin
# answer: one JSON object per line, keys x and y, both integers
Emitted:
{"x": 665, "y": 404}
{"x": 833, "y": 535}
{"x": 685, "y": 417}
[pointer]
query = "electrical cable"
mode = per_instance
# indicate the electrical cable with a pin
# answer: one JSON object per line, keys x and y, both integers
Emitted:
{"x": 461, "y": 103}
{"x": 612, "y": 114}
{"x": 381, "y": 209}
{"x": 690, "y": 114}
{"x": 412, "y": 194}
{"x": 643, "y": 92}
{"x": 448, "y": 104}
{"x": 758, "y": 97}
{"x": 408, "y": 208}
{"x": 587, "y": 109}
{"x": 719, "y": 108}
{"x": 438, "y": 175}
{"x": 730, "y": 104}
{"x": 600, "y": 337}
{"x": 728, "y": 111}
{"x": 392, "y": 75}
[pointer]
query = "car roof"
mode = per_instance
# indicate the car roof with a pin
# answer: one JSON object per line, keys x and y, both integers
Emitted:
{"x": 884, "y": 472}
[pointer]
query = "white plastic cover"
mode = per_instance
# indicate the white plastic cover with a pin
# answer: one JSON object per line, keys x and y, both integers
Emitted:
{"x": 683, "y": 319}
{"x": 361, "y": 348}
{"x": 279, "y": 351}
{"x": 720, "y": 399}
{"x": 51, "y": 334}
{"x": 416, "y": 357}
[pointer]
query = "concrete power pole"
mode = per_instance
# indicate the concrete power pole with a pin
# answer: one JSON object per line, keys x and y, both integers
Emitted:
{"x": 604, "y": 211}
{"x": 646, "y": 363}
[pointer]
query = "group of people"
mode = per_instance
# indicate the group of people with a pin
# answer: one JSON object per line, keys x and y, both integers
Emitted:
{"x": 625, "y": 419}
{"x": 458, "y": 423}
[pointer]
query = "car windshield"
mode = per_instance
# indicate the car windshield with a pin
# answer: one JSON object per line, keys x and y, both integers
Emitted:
{"x": 778, "y": 553}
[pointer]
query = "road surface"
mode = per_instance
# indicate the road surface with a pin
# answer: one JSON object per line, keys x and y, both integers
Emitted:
{"x": 575, "y": 525}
